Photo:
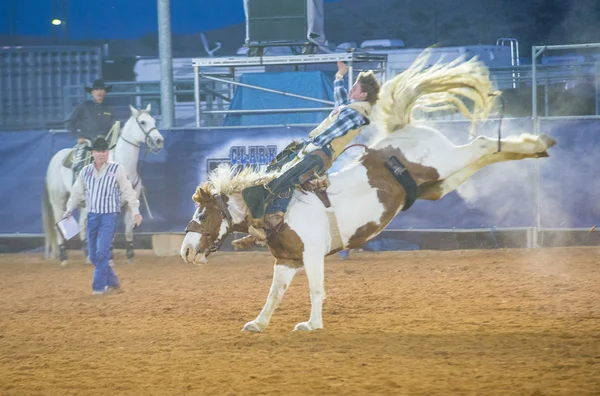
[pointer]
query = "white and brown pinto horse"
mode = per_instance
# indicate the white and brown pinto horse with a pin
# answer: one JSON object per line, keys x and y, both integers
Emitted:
{"x": 364, "y": 196}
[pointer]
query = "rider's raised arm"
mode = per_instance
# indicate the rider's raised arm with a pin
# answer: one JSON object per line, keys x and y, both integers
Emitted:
{"x": 340, "y": 95}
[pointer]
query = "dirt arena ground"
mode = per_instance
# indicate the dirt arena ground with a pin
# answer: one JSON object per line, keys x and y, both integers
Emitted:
{"x": 497, "y": 322}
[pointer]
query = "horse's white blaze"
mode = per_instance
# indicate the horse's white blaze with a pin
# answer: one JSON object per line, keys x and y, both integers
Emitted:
{"x": 222, "y": 230}
{"x": 190, "y": 246}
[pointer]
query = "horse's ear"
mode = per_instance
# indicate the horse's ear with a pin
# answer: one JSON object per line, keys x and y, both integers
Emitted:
{"x": 201, "y": 195}
{"x": 148, "y": 107}
{"x": 134, "y": 111}
{"x": 206, "y": 195}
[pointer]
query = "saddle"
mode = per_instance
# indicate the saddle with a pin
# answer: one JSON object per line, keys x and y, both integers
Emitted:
{"x": 68, "y": 161}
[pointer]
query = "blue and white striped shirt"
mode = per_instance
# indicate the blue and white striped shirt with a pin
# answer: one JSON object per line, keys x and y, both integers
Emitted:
{"x": 103, "y": 189}
{"x": 347, "y": 120}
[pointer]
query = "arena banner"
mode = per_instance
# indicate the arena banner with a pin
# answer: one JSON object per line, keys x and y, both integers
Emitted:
{"x": 24, "y": 157}
{"x": 501, "y": 195}
{"x": 569, "y": 182}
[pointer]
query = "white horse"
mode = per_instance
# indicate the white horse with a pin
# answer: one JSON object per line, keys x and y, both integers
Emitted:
{"x": 365, "y": 196}
{"x": 139, "y": 129}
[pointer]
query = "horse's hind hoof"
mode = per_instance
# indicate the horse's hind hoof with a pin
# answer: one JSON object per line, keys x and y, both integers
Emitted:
{"x": 130, "y": 260}
{"x": 63, "y": 263}
{"x": 306, "y": 326}
{"x": 548, "y": 141}
{"x": 253, "y": 327}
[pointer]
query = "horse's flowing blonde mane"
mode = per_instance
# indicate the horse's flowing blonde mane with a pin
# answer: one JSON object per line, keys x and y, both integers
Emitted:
{"x": 227, "y": 179}
{"x": 440, "y": 87}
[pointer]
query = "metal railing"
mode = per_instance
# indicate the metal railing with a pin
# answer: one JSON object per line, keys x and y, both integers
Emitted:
{"x": 215, "y": 95}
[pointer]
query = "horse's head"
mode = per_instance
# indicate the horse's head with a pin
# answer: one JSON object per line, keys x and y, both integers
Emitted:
{"x": 211, "y": 224}
{"x": 142, "y": 129}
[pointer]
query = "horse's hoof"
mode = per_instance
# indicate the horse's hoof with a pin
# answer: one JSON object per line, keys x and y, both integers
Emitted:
{"x": 306, "y": 326}
{"x": 548, "y": 141}
{"x": 63, "y": 263}
{"x": 252, "y": 326}
{"x": 130, "y": 261}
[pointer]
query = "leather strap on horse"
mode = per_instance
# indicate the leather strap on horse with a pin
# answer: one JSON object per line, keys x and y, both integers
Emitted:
{"x": 402, "y": 176}
{"x": 500, "y": 124}
{"x": 334, "y": 228}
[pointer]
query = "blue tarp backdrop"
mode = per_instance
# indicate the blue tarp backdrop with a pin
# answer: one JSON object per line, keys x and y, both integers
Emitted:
{"x": 501, "y": 195}
{"x": 313, "y": 84}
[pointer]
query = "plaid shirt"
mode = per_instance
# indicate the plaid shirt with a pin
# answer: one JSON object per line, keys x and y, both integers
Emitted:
{"x": 347, "y": 120}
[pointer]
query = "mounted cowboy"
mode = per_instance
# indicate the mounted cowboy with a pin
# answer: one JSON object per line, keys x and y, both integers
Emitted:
{"x": 90, "y": 119}
{"x": 309, "y": 158}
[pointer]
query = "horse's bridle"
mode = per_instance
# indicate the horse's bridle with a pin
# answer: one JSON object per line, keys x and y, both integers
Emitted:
{"x": 196, "y": 226}
{"x": 147, "y": 139}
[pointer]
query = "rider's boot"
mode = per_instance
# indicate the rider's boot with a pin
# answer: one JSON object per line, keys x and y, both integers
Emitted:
{"x": 272, "y": 225}
{"x": 249, "y": 241}
{"x": 244, "y": 243}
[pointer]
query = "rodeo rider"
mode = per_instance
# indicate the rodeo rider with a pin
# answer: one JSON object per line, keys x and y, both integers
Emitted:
{"x": 325, "y": 143}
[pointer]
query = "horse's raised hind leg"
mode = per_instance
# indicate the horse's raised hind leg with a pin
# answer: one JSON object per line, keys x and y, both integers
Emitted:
{"x": 282, "y": 277}
{"x": 457, "y": 164}
{"x": 315, "y": 272}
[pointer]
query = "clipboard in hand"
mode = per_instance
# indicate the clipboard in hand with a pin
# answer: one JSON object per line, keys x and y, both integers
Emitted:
{"x": 68, "y": 227}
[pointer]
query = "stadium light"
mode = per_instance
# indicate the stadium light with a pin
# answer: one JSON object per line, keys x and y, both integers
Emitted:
{"x": 56, "y": 21}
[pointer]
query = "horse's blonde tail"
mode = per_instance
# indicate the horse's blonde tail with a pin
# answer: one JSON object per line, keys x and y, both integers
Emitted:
{"x": 440, "y": 87}
{"x": 50, "y": 245}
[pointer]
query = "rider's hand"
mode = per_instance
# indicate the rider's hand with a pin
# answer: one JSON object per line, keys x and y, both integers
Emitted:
{"x": 68, "y": 213}
{"x": 82, "y": 140}
{"x": 137, "y": 219}
{"x": 342, "y": 69}
{"x": 310, "y": 147}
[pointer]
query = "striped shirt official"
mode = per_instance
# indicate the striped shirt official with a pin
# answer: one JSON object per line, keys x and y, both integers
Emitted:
{"x": 102, "y": 194}
{"x": 103, "y": 189}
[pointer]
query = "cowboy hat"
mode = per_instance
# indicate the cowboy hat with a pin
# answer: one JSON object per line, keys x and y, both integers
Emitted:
{"x": 100, "y": 144}
{"x": 98, "y": 84}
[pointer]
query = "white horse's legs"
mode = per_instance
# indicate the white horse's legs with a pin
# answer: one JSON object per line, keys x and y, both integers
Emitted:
{"x": 83, "y": 233}
{"x": 315, "y": 272}
{"x": 282, "y": 277}
{"x": 129, "y": 223}
{"x": 59, "y": 211}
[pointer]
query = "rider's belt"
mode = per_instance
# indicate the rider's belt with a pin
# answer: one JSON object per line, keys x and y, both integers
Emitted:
{"x": 326, "y": 154}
